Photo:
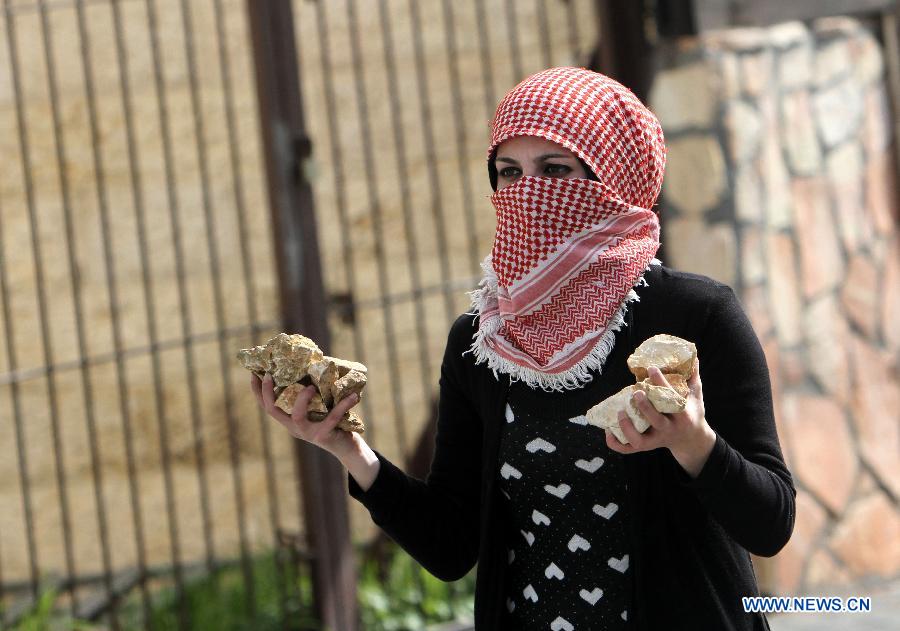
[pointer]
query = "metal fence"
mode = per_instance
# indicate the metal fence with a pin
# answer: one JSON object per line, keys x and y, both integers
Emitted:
{"x": 138, "y": 251}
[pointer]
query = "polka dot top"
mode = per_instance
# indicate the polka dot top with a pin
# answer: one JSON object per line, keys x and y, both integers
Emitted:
{"x": 566, "y": 526}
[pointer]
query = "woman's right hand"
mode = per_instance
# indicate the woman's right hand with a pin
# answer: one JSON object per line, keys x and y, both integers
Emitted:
{"x": 324, "y": 434}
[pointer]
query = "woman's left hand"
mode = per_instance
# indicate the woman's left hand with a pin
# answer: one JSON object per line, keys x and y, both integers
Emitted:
{"x": 686, "y": 434}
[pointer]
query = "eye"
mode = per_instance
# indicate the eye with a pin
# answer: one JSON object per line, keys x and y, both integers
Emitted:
{"x": 509, "y": 172}
{"x": 557, "y": 169}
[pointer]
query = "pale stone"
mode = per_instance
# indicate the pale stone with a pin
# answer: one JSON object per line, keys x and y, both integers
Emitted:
{"x": 753, "y": 260}
{"x": 824, "y": 572}
{"x": 890, "y": 299}
{"x": 345, "y": 365}
{"x": 730, "y": 75}
{"x": 748, "y": 204}
{"x": 878, "y": 120}
{"x": 695, "y": 246}
{"x": 758, "y": 72}
{"x": 795, "y": 67}
{"x": 835, "y": 26}
{"x": 323, "y": 374}
{"x": 824, "y": 457}
{"x": 821, "y": 259}
{"x": 351, "y": 383}
{"x": 256, "y": 359}
{"x": 682, "y": 97}
{"x": 776, "y": 183}
{"x": 743, "y": 125}
{"x": 868, "y": 538}
{"x": 800, "y": 140}
{"x": 736, "y": 39}
{"x": 695, "y": 173}
{"x": 832, "y": 62}
{"x": 845, "y": 167}
{"x": 605, "y": 414}
{"x": 876, "y": 410}
{"x": 860, "y": 293}
{"x": 881, "y": 193}
{"x": 669, "y": 353}
{"x": 317, "y": 410}
{"x": 784, "y": 290}
{"x": 867, "y": 58}
{"x": 789, "y": 34}
{"x": 809, "y": 522}
{"x": 825, "y": 330}
{"x": 291, "y": 356}
{"x": 838, "y": 110}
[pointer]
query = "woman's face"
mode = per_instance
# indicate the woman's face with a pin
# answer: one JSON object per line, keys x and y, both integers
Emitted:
{"x": 530, "y": 155}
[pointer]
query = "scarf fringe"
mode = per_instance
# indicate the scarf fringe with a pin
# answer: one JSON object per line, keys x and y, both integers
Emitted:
{"x": 572, "y": 378}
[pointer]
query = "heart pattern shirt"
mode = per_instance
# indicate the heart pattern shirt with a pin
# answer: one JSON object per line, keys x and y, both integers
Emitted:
{"x": 567, "y": 544}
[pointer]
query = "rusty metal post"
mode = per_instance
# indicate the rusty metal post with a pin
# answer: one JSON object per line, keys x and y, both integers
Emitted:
{"x": 303, "y": 305}
{"x": 623, "y": 50}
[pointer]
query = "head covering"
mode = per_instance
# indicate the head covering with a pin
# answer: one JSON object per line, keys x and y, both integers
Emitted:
{"x": 568, "y": 253}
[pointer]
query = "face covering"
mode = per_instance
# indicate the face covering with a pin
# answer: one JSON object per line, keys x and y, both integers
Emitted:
{"x": 568, "y": 253}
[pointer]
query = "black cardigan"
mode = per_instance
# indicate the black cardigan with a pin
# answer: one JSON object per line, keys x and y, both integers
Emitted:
{"x": 691, "y": 537}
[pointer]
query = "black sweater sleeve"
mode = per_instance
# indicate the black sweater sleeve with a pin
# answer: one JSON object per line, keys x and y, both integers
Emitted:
{"x": 436, "y": 520}
{"x": 745, "y": 483}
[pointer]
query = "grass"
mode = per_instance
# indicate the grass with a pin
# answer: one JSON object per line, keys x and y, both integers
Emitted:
{"x": 403, "y": 597}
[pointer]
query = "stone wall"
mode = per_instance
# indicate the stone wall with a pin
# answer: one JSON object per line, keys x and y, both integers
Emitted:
{"x": 781, "y": 181}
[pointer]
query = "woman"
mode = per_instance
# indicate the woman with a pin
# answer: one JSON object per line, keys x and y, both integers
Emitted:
{"x": 571, "y": 530}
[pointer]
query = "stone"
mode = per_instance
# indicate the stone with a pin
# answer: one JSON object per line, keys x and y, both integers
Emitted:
{"x": 776, "y": 182}
{"x": 729, "y": 75}
{"x": 605, "y": 414}
{"x": 669, "y": 353}
{"x": 821, "y": 259}
{"x": 809, "y": 522}
{"x": 758, "y": 71}
{"x": 682, "y": 97}
{"x": 832, "y": 62}
{"x": 317, "y": 411}
{"x": 790, "y": 35}
{"x": 784, "y": 290}
{"x": 824, "y": 571}
{"x": 800, "y": 140}
{"x": 793, "y": 367}
{"x": 688, "y": 157}
{"x": 867, "y": 58}
{"x": 890, "y": 296}
{"x": 876, "y": 410}
{"x": 838, "y": 109}
{"x": 881, "y": 193}
{"x": 740, "y": 39}
{"x": 695, "y": 246}
{"x": 256, "y": 359}
{"x": 844, "y": 168}
{"x": 323, "y": 374}
{"x": 824, "y": 456}
{"x": 795, "y": 67}
{"x": 877, "y": 120}
{"x": 743, "y": 125}
{"x": 860, "y": 293}
{"x": 867, "y": 540}
{"x": 753, "y": 260}
{"x": 291, "y": 356}
{"x": 825, "y": 329}
{"x": 748, "y": 204}
{"x": 351, "y": 383}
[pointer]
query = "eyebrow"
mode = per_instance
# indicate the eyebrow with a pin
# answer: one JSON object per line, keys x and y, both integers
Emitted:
{"x": 537, "y": 159}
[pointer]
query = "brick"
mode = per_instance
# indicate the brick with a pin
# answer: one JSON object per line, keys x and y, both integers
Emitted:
{"x": 821, "y": 259}
{"x": 838, "y": 109}
{"x": 860, "y": 294}
{"x": 682, "y": 97}
{"x": 784, "y": 290}
{"x": 695, "y": 246}
{"x": 686, "y": 157}
{"x": 876, "y": 401}
{"x": 824, "y": 456}
{"x": 826, "y": 330}
{"x": 868, "y": 537}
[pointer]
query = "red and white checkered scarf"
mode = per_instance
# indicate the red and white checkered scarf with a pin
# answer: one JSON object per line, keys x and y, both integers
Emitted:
{"x": 568, "y": 253}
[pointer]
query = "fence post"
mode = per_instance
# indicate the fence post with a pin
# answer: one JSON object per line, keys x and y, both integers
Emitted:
{"x": 303, "y": 304}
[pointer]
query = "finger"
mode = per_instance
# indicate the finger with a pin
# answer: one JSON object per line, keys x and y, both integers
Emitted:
{"x": 656, "y": 419}
{"x": 613, "y": 443}
{"x": 336, "y": 414}
{"x": 694, "y": 382}
{"x": 635, "y": 438}
{"x": 657, "y": 378}
{"x": 268, "y": 393}
{"x": 256, "y": 386}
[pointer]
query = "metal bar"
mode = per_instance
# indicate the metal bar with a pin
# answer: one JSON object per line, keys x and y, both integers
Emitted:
{"x": 219, "y": 302}
{"x": 249, "y": 286}
{"x": 544, "y": 33}
{"x": 147, "y": 286}
{"x": 624, "y": 51}
{"x": 462, "y": 148}
{"x": 574, "y": 34}
{"x": 486, "y": 60}
{"x": 515, "y": 49}
{"x": 286, "y": 145}
{"x": 51, "y": 5}
{"x": 434, "y": 182}
{"x": 112, "y": 295}
{"x": 52, "y": 403}
{"x": 29, "y": 374}
{"x": 336, "y": 160}
{"x": 77, "y": 297}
